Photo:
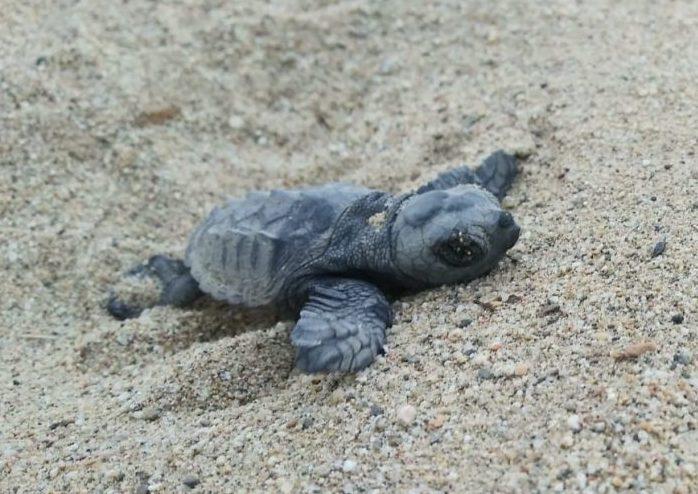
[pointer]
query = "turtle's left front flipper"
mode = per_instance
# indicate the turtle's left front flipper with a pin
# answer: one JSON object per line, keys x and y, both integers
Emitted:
{"x": 342, "y": 326}
{"x": 496, "y": 174}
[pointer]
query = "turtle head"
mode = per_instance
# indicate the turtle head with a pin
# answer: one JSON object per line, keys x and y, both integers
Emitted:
{"x": 451, "y": 236}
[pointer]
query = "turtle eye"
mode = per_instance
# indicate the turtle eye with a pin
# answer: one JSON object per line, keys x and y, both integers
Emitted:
{"x": 458, "y": 250}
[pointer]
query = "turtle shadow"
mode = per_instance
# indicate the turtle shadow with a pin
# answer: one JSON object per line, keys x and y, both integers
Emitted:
{"x": 224, "y": 370}
{"x": 161, "y": 332}
{"x": 216, "y": 319}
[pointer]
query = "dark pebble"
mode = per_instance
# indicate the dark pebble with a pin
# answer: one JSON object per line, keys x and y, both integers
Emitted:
{"x": 549, "y": 309}
{"x": 464, "y": 323}
{"x": 376, "y": 411}
{"x": 659, "y": 248}
{"x": 61, "y": 423}
{"x": 683, "y": 358}
{"x": 435, "y": 438}
{"x": 565, "y": 474}
{"x": 142, "y": 489}
{"x": 677, "y": 318}
{"x": 484, "y": 374}
{"x": 394, "y": 440}
{"x": 191, "y": 481}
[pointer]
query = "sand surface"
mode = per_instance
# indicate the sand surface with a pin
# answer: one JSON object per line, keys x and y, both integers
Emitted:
{"x": 123, "y": 123}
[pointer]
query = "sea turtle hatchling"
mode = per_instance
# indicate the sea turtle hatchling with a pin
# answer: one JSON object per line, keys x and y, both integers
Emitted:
{"x": 332, "y": 252}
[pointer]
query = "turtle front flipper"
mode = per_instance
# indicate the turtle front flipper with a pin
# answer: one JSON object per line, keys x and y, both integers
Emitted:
{"x": 342, "y": 326}
{"x": 496, "y": 174}
{"x": 177, "y": 287}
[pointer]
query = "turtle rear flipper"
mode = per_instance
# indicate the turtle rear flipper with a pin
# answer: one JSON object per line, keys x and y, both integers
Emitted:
{"x": 178, "y": 287}
{"x": 342, "y": 326}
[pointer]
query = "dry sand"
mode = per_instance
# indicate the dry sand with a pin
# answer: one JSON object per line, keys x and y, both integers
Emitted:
{"x": 123, "y": 123}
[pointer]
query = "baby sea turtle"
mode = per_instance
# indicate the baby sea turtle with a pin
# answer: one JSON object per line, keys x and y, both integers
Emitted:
{"x": 330, "y": 253}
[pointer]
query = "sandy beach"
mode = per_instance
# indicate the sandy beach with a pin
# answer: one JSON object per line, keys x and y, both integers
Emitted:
{"x": 569, "y": 368}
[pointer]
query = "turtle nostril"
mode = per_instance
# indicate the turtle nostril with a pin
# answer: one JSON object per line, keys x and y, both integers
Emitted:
{"x": 505, "y": 220}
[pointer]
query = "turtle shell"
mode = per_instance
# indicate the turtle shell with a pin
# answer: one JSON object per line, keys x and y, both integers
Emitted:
{"x": 246, "y": 250}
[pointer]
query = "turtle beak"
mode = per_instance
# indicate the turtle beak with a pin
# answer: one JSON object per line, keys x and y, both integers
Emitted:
{"x": 509, "y": 228}
{"x": 514, "y": 232}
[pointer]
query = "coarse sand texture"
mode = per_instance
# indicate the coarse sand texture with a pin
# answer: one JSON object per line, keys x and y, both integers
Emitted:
{"x": 571, "y": 367}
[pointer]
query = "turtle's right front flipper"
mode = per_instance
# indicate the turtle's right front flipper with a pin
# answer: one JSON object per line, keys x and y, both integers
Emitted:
{"x": 342, "y": 326}
{"x": 178, "y": 287}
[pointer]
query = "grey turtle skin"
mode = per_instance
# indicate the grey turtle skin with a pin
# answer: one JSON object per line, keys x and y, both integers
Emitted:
{"x": 331, "y": 253}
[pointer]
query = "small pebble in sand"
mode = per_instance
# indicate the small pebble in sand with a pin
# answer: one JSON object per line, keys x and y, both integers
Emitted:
{"x": 513, "y": 299}
{"x": 114, "y": 475}
{"x": 150, "y": 414}
{"x": 524, "y": 148}
{"x": 191, "y": 481}
{"x": 479, "y": 359}
{"x": 236, "y": 122}
{"x": 677, "y": 318}
{"x": 377, "y": 220}
{"x": 635, "y": 350}
{"x": 548, "y": 309}
{"x": 574, "y": 423}
{"x": 598, "y": 426}
{"x": 348, "y": 466}
{"x": 683, "y": 357}
{"x": 157, "y": 116}
{"x": 61, "y": 423}
{"x": 394, "y": 440}
{"x": 406, "y": 414}
{"x": 436, "y": 423}
{"x": 285, "y": 486}
{"x": 658, "y": 248}
{"x": 464, "y": 323}
{"x": 521, "y": 369}
{"x": 485, "y": 374}
{"x": 380, "y": 424}
{"x": 337, "y": 397}
{"x": 567, "y": 441}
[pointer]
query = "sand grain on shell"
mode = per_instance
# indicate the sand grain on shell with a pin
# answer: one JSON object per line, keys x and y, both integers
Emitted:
{"x": 123, "y": 124}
